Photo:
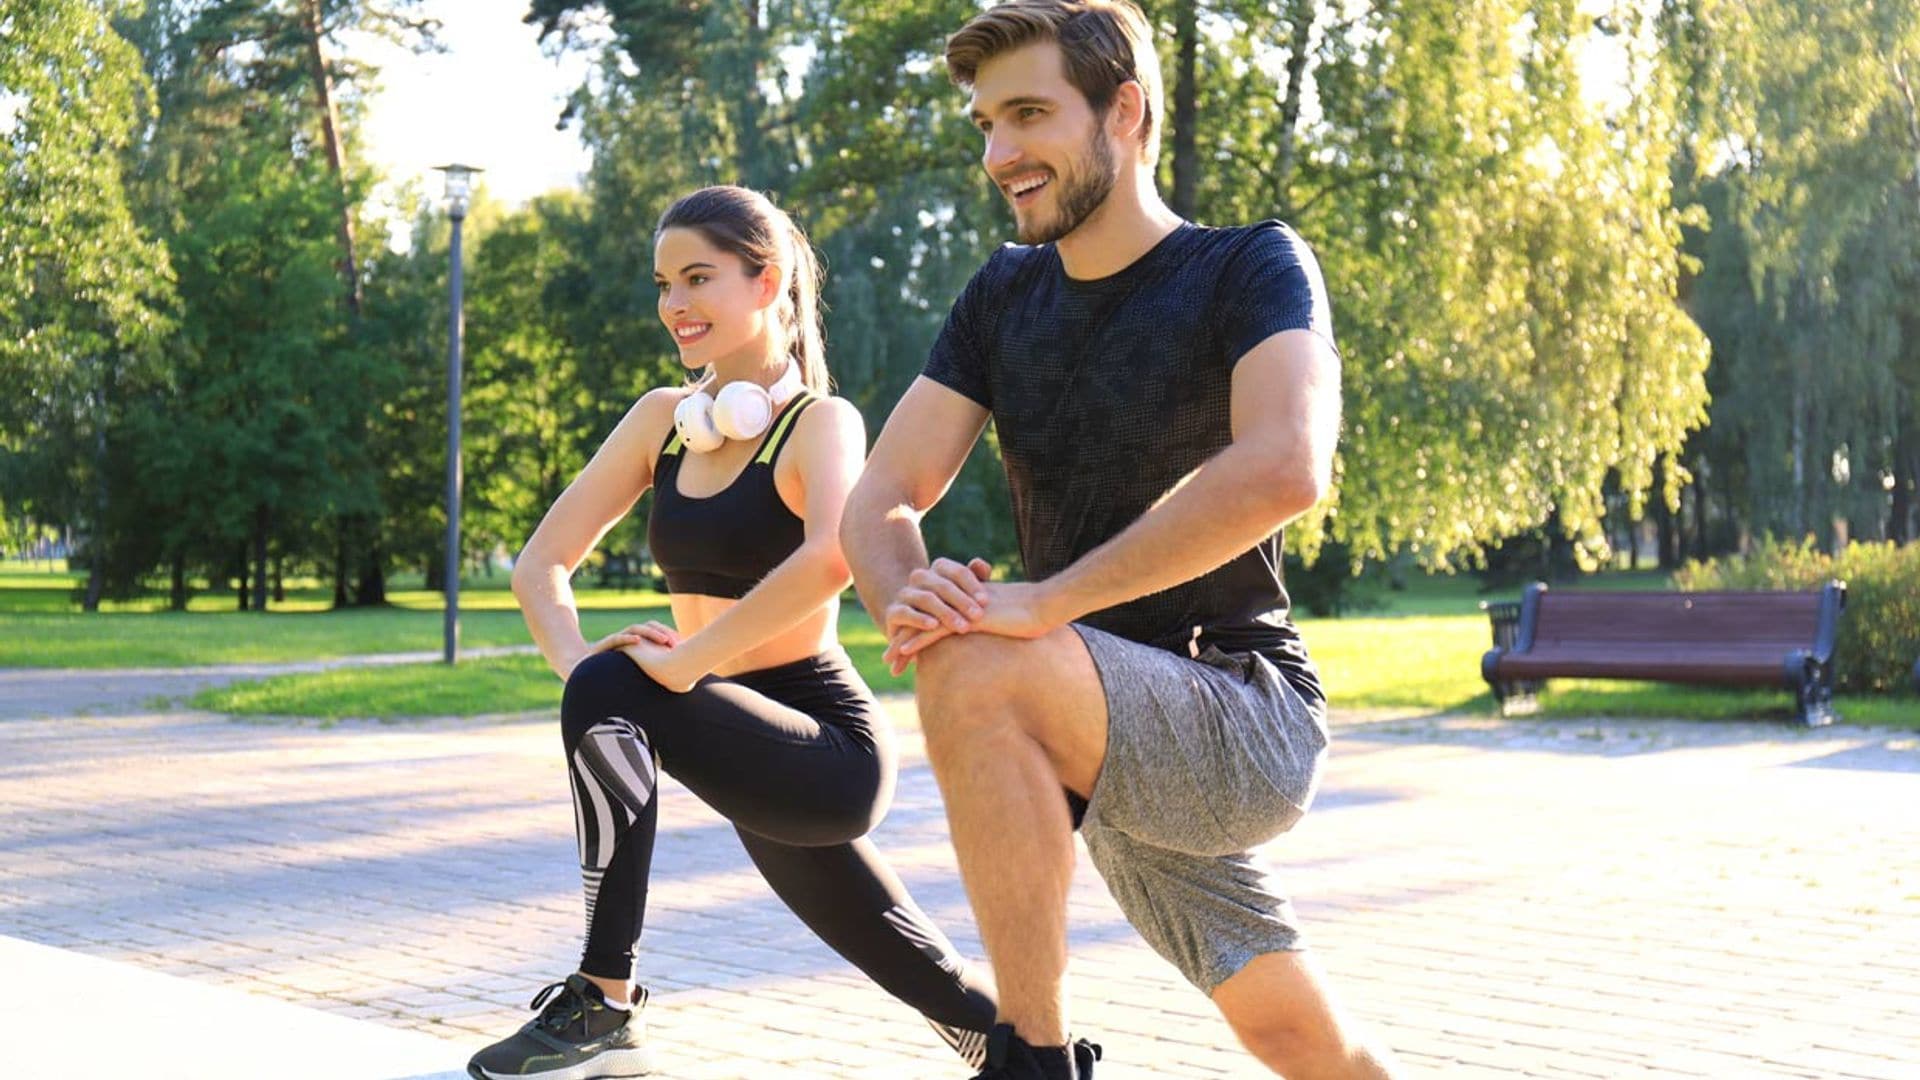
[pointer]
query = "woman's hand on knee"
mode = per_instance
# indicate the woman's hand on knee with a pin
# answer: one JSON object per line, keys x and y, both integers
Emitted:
{"x": 662, "y": 663}
{"x": 657, "y": 633}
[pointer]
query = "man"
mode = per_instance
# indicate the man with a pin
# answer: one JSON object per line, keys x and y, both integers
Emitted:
{"x": 1166, "y": 398}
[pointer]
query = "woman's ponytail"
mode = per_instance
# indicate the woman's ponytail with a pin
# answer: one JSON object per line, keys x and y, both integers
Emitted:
{"x": 805, "y": 339}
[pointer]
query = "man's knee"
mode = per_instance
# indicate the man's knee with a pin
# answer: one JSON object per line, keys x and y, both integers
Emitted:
{"x": 990, "y": 667}
{"x": 975, "y": 688}
{"x": 966, "y": 689}
{"x": 971, "y": 680}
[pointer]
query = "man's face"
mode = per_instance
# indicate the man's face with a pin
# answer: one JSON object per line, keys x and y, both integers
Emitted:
{"x": 1047, "y": 151}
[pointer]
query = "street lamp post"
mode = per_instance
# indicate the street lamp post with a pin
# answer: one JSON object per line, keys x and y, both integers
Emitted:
{"x": 459, "y": 187}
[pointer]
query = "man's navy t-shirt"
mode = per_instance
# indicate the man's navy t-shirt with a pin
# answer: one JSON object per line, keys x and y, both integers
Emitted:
{"x": 1106, "y": 393}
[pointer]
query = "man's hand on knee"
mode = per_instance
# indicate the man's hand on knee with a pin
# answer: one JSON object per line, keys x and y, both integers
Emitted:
{"x": 941, "y": 600}
{"x": 947, "y": 599}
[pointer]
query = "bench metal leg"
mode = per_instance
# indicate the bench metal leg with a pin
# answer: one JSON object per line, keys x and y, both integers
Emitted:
{"x": 1814, "y": 696}
{"x": 1517, "y": 698}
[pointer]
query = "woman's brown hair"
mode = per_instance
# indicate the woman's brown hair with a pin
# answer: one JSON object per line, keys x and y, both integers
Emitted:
{"x": 747, "y": 224}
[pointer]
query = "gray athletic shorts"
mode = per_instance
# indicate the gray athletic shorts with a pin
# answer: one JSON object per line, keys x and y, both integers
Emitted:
{"x": 1206, "y": 759}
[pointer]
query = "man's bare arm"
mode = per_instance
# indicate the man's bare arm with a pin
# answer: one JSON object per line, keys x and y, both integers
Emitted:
{"x": 919, "y": 452}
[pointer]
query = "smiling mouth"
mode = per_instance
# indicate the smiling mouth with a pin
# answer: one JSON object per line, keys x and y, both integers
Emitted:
{"x": 686, "y": 333}
{"x": 1026, "y": 189}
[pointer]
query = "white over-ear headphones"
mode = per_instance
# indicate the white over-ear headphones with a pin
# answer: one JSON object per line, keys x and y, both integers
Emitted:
{"x": 742, "y": 410}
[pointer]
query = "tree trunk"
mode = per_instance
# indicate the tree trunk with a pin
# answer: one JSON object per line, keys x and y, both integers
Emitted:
{"x": 1300, "y": 14}
{"x": 1913, "y": 126}
{"x": 372, "y": 588}
{"x": 96, "y": 584}
{"x": 340, "y": 565}
{"x": 748, "y": 142}
{"x": 1906, "y": 476}
{"x": 1663, "y": 523}
{"x": 330, "y": 133}
{"x": 1700, "y": 548}
{"x": 1561, "y": 565}
{"x": 260, "y": 519}
{"x": 96, "y": 575}
{"x": 1798, "y": 522}
{"x": 242, "y": 591}
{"x": 177, "y": 586}
{"x": 1186, "y": 90}
{"x": 279, "y": 579}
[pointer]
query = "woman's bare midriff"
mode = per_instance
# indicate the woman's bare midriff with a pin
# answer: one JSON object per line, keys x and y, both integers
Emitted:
{"x": 813, "y": 635}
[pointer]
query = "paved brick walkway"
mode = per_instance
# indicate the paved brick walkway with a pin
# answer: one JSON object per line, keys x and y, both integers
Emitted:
{"x": 1544, "y": 899}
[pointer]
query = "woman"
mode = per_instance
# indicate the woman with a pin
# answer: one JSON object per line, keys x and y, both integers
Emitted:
{"x": 748, "y": 699}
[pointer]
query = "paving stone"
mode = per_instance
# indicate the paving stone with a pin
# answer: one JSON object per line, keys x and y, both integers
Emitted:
{"x": 1492, "y": 898}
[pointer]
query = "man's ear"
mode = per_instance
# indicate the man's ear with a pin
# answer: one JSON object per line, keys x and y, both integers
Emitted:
{"x": 1127, "y": 116}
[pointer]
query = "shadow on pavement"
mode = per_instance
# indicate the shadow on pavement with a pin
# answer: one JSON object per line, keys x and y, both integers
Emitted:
{"x": 1900, "y": 754}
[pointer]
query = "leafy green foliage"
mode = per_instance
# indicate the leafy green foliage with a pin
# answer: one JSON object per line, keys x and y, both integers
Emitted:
{"x": 1503, "y": 259}
{"x": 1503, "y": 243}
{"x": 84, "y": 291}
{"x": 1805, "y": 149}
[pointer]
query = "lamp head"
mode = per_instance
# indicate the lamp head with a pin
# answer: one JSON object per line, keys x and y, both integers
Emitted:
{"x": 459, "y": 186}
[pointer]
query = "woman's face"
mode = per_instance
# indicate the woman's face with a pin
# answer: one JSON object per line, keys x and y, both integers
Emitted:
{"x": 708, "y": 301}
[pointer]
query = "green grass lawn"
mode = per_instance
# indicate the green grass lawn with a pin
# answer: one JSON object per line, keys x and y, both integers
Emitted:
{"x": 501, "y": 684}
{"x": 41, "y": 626}
{"x": 1419, "y": 650}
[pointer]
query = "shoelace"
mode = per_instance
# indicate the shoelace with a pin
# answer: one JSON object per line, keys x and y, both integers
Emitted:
{"x": 563, "y": 1011}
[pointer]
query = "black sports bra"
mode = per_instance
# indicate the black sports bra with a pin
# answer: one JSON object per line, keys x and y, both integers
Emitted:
{"x": 724, "y": 544}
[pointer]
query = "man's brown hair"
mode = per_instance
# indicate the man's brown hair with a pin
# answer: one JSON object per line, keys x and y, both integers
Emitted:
{"x": 1104, "y": 44}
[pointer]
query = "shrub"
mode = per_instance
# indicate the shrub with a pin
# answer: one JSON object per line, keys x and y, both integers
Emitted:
{"x": 1880, "y": 632}
{"x": 1330, "y": 587}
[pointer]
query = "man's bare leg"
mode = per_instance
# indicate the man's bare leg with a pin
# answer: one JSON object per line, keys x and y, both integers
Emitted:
{"x": 1009, "y": 722}
{"x": 1281, "y": 1009}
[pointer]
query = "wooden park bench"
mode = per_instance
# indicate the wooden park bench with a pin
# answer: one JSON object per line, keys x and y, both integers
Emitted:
{"x": 1724, "y": 638}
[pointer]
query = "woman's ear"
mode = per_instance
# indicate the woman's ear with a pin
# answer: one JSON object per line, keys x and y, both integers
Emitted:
{"x": 773, "y": 285}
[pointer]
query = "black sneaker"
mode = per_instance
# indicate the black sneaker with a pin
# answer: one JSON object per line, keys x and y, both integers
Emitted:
{"x": 1010, "y": 1058}
{"x": 1084, "y": 1055}
{"x": 576, "y": 1036}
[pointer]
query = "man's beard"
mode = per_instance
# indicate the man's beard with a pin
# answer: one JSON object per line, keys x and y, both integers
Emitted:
{"x": 1093, "y": 179}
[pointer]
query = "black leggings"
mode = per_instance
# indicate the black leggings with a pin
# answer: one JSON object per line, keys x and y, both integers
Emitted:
{"x": 800, "y": 759}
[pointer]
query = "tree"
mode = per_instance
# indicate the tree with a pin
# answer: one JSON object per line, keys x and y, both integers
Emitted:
{"x": 1806, "y": 148}
{"x": 1501, "y": 249}
{"x": 83, "y": 290}
{"x": 253, "y": 451}
{"x": 530, "y": 422}
{"x": 720, "y": 63}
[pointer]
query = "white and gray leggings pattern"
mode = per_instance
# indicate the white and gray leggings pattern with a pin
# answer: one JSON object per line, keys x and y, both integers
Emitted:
{"x": 614, "y": 775}
{"x": 799, "y": 759}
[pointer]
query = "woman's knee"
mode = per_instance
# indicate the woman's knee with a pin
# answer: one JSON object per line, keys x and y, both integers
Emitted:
{"x": 605, "y": 684}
